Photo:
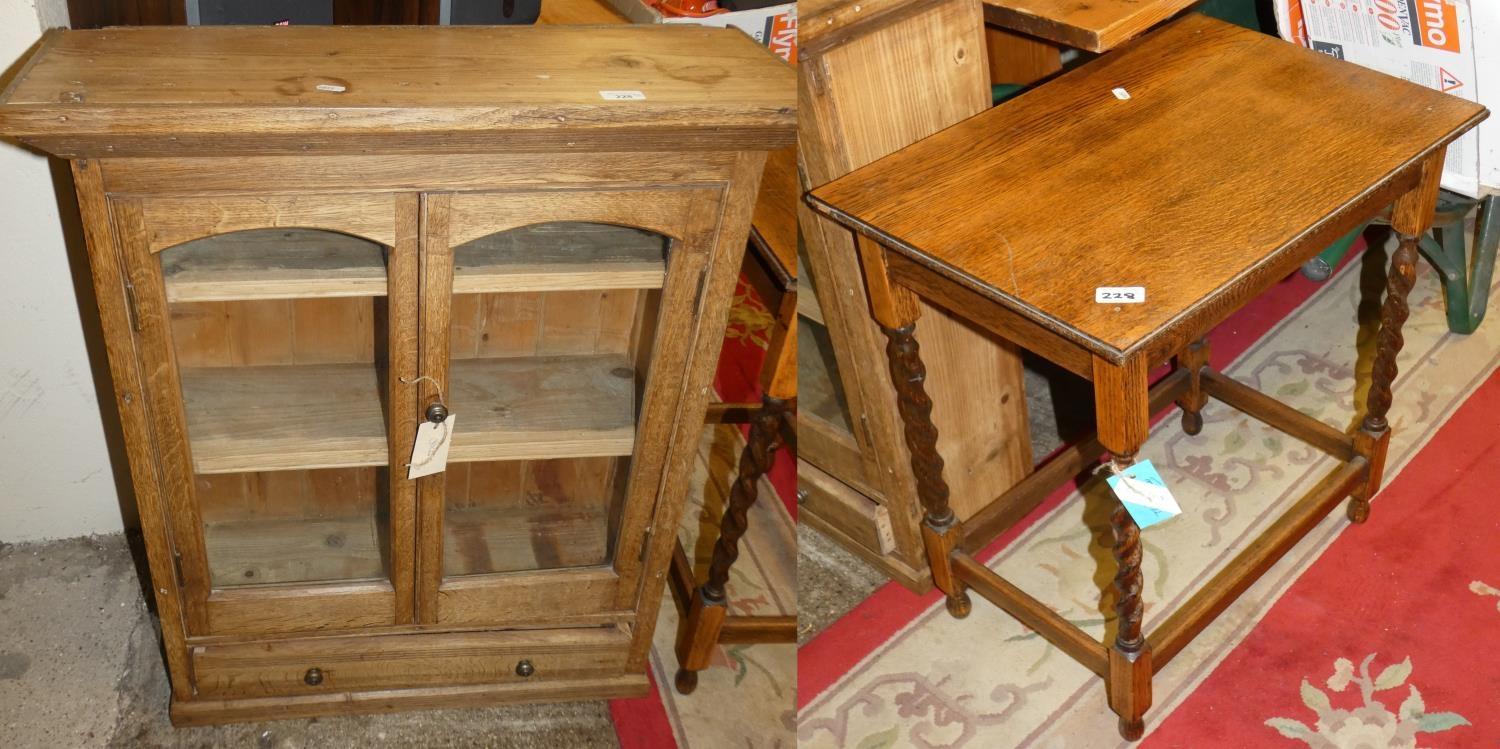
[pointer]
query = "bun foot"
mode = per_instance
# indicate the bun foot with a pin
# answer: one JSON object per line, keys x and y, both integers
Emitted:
{"x": 959, "y": 605}
{"x": 1132, "y": 730}
{"x": 1192, "y": 422}
{"x": 1359, "y": 510}
{"x": 686, "y": 681}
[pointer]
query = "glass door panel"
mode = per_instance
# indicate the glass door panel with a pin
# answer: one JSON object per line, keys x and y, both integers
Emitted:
{"x": 551, "y": 328}
{"x": 279, "y": 336}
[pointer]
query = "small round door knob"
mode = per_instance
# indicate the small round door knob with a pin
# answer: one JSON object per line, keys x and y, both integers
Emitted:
{"x": 437, "y": 413}
{"x": 313, "y": 677}
{"x": 525, "y": 669}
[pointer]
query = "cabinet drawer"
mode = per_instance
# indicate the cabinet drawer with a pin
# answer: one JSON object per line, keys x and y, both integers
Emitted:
{"x": 346, "y": 664}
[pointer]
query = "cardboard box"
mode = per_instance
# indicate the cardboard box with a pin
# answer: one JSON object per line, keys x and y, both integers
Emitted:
{"x": 1447, "y": 45}
{"x": 774, "y": 26}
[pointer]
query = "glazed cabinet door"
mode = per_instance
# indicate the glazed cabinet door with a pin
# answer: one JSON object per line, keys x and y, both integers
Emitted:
{"x": 554, "y": 334}
{"x": 275, "y": 332}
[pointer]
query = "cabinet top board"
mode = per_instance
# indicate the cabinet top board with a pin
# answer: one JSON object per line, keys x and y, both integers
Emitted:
{"x": 328, "y": 89}
{"x": 1201, "y": 162}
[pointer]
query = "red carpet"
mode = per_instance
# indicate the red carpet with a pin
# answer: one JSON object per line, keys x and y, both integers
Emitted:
{"x": 1418, "y": 584}
{"x": 849, "y": 640}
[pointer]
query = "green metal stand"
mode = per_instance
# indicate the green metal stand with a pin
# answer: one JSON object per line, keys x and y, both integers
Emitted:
{"x": 1466, "y": 277}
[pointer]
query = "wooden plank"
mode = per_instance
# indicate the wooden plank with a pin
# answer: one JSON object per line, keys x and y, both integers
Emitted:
{"x": 992, "y": 235}
{"x": 405, "y": 173}
{"x": 329, "y": 415}
{"x": 272, "y": 609}
{"x": 454, "y": 89}
{"x": 171, "y": 221}
{"x": 210, "y": 712}
{"x": 259, "y": 552}
{"x": 1213, "y": 597}
{"x": 1052, "y": 626}
{"x": 1278, "y": 415}
{"x": 1096, "y": 26}
{"x": 401, "y": 356}
{"x": 527, "y": 597}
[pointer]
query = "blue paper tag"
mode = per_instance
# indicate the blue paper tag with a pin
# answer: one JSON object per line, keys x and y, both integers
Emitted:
{"x": 1144, "y": 494}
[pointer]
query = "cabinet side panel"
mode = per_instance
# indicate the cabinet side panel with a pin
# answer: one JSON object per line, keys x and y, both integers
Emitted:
{"x": 860, "y": 101}
{"x": 109, "y": 289}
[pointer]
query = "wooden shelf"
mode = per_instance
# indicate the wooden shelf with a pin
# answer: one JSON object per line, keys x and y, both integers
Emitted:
{"x": 542, "y": 407}
{"x": 306, "y": 263}
{"x": 509, "y": 538}
{"x": 329, "y": 415}
{"x": 280, "y": 418}
{"x": 278, "y": 551}
{"x": 273, "y": 264}
{"x": 476, "y": 540}
{"x": 560, "y": 256}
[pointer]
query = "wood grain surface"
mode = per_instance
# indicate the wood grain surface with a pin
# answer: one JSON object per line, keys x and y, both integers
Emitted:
{"x": 1229, "y": 153}
{"x": 1096, "y": 25}
{"x": 344, "y": 89}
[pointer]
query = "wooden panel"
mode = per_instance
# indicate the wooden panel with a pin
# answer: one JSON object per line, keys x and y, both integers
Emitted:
{"x": 172, "y": 221}
{"x": 477, "y": 215}
{"x": 302, "y": 608}
{"x": 879, "y": 87}
{"x": 209, "y": 712}
{"x": 1018, "y": 59}
{"x": 387, "y": 172}
{"x": 523, "y": 597}
{"x": 127, "y": 381}
{"x": 1096, "y": 26}
{"x": 454, "y": 89}
{"x": 993, "y": 235}
{"x": 321, "y": 416}
{"x": 384, "y": 662}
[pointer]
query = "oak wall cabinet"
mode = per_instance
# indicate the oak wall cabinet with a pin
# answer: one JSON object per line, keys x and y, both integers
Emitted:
{"x": 307, "y": 242}
{"x": 878, "y": 75}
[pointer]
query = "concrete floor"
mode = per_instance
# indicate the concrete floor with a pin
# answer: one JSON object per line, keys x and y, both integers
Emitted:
{"x": 831, "y": 581}
{"x": 81, "y": 666}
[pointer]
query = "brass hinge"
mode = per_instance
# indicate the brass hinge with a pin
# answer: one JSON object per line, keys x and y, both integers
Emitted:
{"x": 177, "y": 566}
{"x": 645, "y": 543}
{"x": 131, "y": 310}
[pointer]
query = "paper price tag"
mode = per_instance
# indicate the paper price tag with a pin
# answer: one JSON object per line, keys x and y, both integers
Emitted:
{"x": 1120, "y": 295}
{"x": 622, "y": 95}
{"x": 1144, "y": 494}
{"x": 429, "y": 454}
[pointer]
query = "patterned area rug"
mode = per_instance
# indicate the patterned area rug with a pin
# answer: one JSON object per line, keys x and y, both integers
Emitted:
{"x": 915, "y": 680}
{"x": 745, "y": 697}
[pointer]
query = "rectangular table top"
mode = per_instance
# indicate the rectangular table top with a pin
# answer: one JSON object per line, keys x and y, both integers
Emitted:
{"x": 1096, "y": 25}
{"x": 1231, "y": 149}
{"x": 309, "y": 85}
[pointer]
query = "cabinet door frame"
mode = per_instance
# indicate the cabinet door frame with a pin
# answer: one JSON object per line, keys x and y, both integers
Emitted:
{"x": 146, "y": 225}
{"x": 689, "y": 217}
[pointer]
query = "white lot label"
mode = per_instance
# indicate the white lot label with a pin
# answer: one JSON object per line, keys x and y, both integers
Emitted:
{"x": 622, "y": 95}
{"x": 430, "y": 453}
{"x": 1120, "y": 294}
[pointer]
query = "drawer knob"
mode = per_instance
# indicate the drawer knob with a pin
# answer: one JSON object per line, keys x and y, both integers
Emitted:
{"x": 313, "y": 677}
{"x": 437, "y": 413}
{"x": 525, "y": 669}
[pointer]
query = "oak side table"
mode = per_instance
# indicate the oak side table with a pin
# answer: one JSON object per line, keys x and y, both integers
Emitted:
{"x": 308, "y": 243}
{"x": 1206, "y": 162}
